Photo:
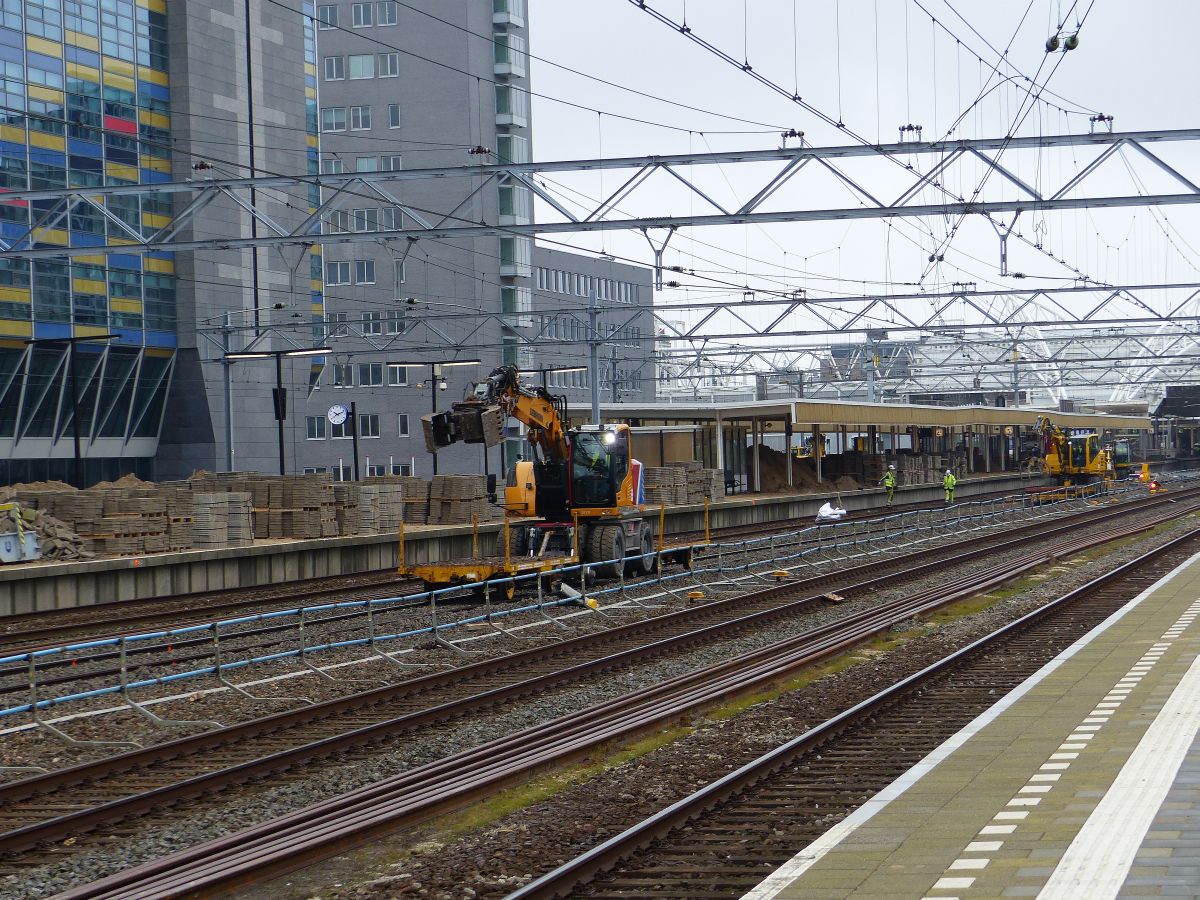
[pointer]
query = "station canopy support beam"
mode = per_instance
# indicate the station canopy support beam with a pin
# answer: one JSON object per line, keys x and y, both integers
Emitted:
{"x": 766, "y": 200}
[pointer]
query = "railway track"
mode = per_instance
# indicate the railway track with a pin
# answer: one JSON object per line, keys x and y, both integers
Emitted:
{"x": 31, "y": 631}
{"x": 86, "y": 666}
{"x": 725, "y": 838}
{"x": 149, "y": 658}
{"x": 422, "y": 791}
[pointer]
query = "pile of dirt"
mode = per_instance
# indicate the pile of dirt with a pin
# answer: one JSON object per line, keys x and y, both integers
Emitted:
{"x": 126, "y": 481}
{"x": 34, "y": 486}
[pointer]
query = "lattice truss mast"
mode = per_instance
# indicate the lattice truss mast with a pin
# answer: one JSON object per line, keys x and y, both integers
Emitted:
{"x": 1128, "y": 337}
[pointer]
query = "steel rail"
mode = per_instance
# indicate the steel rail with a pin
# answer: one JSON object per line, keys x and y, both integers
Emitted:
{"x": 39, "y": 636}
{"x": 583, "y": 868}
{"x": 282, "y": 844}
{"x": 173, "y": 641}
{"x": 59, "y": 828}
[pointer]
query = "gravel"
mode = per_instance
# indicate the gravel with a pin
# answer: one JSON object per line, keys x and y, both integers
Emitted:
{"x": 657, "y": 779}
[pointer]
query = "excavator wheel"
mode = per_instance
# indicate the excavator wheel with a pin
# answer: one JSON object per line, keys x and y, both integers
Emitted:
{"x": 518, "y": 540}
{"x": 645, "y": 565}
{"x": 606, "y": 542}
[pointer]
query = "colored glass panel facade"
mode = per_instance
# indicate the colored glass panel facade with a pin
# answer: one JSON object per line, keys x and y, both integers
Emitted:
{"x": 84, "y": 102}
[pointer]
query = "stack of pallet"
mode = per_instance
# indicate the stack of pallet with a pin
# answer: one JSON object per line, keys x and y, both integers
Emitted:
{"x": 133, "y": 521}
{"x": 873, "y": 467}
{"x": 210, "y": 521}
{"x": 713, "y": 481}
{"x": 380, "y": 507}
{"x": 238, "y": 519}
{"x": 415, "y": 492}
{"x": 345, "y": 504}
{"x": 700, "y": 482}
{"x": 458, "y": 499}
{"x": 667, "y": 484}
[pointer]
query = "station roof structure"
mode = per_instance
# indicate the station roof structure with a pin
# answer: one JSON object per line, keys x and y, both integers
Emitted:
{"x": 836, "y": 413}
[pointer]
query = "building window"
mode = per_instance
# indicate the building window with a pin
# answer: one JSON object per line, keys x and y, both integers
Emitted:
{"x": 403, "y": 420}
{"x": 366, "y": 219}
{"x": 368, "y": 425}
{"x": 360, "y": 14}
{"x": 376, "y": 471}
{"x": 395, "y": 322}
{"x": 393, "y": 115}
{"x": 390, "y": 163}
{"x": 391, "y": 219}
{"x": 342, "y": 473}
{"x": 372, "y": 323}
{"x": 333, "y": 118}
{"x": 337, "y": 273}
{"x": 514, "y": 256}
{"x": 385, "y": 12}
{"x": 315, "y": 470}
{"x": 338, "y": 222}
{"x": 364, "y": 271}
{"x": 509, "y": 54}
{"x": 402, "y": 469}
{"x": 341, "y": 432}
{"x": 398, "y": 275}
{"x": 366, "y": 164}
{"x": 512, "y": 106}
{"x": 398, "y": 377}
{"x": 332, "y": 166}
{"x": 360, "y": 118}
{"x": 512, "y": 148}
{"x": 516, "y": 300}
{"x": 370, "y": 374}
{"x": 316, "y": 427}
{"x": 343, "y": 376}
{"x": 335, "y": 68}
{"x": 389, "y": 65}
{"x": 506, "y": 12}
{"x": 327, "y": 16}
{"x": 337, "y": 324}
{"x": 362, "y": 65}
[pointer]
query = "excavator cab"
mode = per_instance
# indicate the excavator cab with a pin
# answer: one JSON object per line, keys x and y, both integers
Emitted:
{"x": 599, "y": 467}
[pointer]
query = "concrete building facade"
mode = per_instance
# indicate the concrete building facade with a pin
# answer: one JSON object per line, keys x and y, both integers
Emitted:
{"x": 142, "y": 91}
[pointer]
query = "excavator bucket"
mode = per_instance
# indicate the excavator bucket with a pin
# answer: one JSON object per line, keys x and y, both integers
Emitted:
{"x": 475, "y": 424}
{"x": 438, "y": 431}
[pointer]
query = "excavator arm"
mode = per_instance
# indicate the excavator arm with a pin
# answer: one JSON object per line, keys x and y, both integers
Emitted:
{"x": 480, "y": 419}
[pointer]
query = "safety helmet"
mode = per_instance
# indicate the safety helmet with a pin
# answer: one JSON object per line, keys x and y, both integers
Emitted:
{"x": 947, "y": 471}
{"x": 893, "y": 468}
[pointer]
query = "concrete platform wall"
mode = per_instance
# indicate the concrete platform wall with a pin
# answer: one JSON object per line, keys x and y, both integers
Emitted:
{"x": 42, "y": 587}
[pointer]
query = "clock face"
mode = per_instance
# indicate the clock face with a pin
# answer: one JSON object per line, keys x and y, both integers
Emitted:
{"x": 337, "y": 414}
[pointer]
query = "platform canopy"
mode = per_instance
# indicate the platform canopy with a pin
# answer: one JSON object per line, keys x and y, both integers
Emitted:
{"x": 837, "y": 413}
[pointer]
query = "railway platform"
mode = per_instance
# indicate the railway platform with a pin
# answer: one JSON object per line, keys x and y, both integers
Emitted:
{"x": 1084, "y": 782}
{"x": 42, "y": 586}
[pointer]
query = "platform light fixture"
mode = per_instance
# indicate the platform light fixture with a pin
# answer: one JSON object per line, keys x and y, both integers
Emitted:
{"x": 278, "y": 394}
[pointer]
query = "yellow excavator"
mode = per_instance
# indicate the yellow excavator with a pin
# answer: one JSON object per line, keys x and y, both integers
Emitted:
{"x": 579, "y": 496}
{"x": 1075, "y": 458}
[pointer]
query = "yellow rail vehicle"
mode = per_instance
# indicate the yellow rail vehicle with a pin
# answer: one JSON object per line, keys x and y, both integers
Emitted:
{"x": 578, "y": 498}
{"x": 1076, "y": 458}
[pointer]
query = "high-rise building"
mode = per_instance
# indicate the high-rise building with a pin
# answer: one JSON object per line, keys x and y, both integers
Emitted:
{"x": 113, "y": 92}
{"x": 86, "y": 101}
{"x": 117, "y": 92}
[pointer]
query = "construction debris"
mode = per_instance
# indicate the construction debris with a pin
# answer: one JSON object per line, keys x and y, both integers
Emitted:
{"x": 56, "y": 539}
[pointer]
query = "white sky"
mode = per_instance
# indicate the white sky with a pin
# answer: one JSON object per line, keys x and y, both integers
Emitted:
{"x": 1135, "y": 61}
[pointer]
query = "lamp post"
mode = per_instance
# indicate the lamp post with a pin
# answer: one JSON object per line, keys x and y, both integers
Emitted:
{"x": 70, "y": 343}
{"x": 278, "y": 394}
{"x": 436, "y": 381}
